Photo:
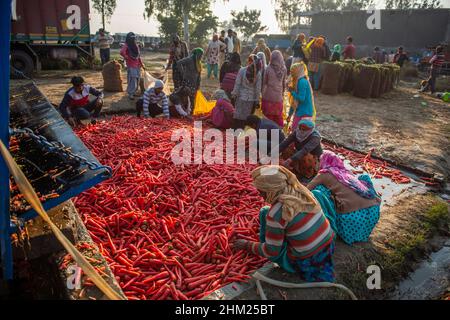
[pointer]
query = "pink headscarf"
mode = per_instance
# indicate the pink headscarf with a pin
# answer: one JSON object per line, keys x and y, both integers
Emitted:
{"x": 277, "y": 64}
{"x": 331, "y": 163}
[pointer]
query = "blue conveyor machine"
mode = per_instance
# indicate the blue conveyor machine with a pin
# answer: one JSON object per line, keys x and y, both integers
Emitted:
{"x": 57, "y": 163}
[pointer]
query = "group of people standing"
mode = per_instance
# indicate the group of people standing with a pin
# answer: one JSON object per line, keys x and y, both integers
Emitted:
{"x": 313, "y": 197}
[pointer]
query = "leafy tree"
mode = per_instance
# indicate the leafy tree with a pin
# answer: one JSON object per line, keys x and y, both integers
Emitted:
{"x": 185, "y": 9}
{"x": 204, "y": 26}
{"x": 106, "y": 8}
{"x": 200, "y": 17}
{"x": 248, "y": 22}
{"x": 412, "y": 4}
{"x": 169, "y": 25}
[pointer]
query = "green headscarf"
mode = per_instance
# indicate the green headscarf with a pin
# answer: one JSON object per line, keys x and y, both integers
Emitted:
{"x": 197, "y": 53}
{"x": 337, "y": 48}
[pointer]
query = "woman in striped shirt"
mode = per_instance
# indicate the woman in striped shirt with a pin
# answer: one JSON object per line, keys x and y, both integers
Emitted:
{"x": 294, "y": 231}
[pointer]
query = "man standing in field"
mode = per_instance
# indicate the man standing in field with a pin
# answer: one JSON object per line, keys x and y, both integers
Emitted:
{"x": 229, "y": 41}
{"x": 350, "y": 49}
{"x": 104, "y": 42}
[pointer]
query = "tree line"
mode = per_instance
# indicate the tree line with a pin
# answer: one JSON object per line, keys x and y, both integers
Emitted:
{"x": 196, "y": 21}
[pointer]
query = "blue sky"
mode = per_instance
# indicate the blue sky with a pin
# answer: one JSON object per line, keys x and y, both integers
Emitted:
{"x": 129, "y": 15}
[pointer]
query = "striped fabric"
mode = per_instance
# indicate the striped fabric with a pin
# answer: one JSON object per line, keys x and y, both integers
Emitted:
{"x": 437, "y": 61}
{"x": 150, "y": 97}
{"x": 306, "y": 234}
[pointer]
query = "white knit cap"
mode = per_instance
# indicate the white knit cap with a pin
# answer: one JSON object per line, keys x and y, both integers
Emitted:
{"x": 159, "y": 84}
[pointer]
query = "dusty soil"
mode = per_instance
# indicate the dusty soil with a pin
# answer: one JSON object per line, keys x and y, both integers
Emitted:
{"x": 397, "y": 244}
{"x": 413, "y": 131}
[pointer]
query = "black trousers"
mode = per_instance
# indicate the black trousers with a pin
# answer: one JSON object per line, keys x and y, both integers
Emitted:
{"x": 88, "y": 111}
{"x": 153, "y": 109}
{"x": 105, "y": 55}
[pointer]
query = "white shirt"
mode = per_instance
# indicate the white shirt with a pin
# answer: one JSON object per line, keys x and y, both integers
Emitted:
{"x": 230, "y": 44}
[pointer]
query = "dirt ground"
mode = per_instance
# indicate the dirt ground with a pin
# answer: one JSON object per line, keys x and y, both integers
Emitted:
{"x": 397, "y": 244}
{"x": 411, "y": 129}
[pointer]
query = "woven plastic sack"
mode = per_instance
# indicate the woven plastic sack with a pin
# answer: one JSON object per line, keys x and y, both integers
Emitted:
{"x": 112, "y": 77}
{"x": 202, "y": 106}
{"x": 149, "y": 81}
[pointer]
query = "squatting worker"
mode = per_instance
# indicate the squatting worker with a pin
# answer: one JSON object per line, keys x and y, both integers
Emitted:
{"x": 294, "y": 232}
{"x": 350, "y": 203}
{"x": 153, "y": 98}
{"x": 104, "y": 42}
{"x": 262, "y": 124}
{"x": 308, "y": 149}
{"x": 76, "y": 104}
{"x": 180, "y": 105}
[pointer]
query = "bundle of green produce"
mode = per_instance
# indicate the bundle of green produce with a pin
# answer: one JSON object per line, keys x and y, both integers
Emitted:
{"x": 364, "y": 80}
{"x": 376, "y": 92}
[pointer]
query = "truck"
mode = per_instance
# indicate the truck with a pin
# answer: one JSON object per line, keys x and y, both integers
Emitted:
{"x": 49, "y": 31}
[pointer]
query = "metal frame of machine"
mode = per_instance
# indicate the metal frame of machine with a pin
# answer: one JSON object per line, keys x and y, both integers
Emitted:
{"x": 56, "y": 138}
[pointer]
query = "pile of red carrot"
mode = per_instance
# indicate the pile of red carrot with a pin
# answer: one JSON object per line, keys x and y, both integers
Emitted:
{"x": 377, "y": 168}
{"x": 164, "y": 229}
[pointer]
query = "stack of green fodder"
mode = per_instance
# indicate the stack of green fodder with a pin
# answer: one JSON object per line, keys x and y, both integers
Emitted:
{"x": 331, "y": 76}
{"x": 346, "y": 77}
{"x": 364, "y": 80}
{"x": 394, "y": 74}
{"x": 387, "y": 78}
{"x": 349, "y": 78}
{"x": 383, "y": 79}
{"x": 376, "y": 88}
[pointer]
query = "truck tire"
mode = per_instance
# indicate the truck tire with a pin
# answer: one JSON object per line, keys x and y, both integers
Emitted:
{"x": 21, "y": 61}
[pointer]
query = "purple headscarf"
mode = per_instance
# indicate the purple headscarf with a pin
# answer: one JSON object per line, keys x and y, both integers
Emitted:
{"x": 277, "y": 64}
{"x": 331, "y": 163}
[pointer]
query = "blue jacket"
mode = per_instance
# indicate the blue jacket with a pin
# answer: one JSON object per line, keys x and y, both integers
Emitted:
{"x": 303, "y": 95}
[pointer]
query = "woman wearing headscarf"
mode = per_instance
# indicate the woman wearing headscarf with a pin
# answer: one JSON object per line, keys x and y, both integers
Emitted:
{"x": 301, "y": 96}
{"x": 318, "y": 54}
{"x": 229, "y": 72}
{"x": 222, "y": 114}
{"x": 212, "y": 56}
{"x": 336, "y": 53}
{"x": 308, "y": 149}
{"x": 247, "y": 91}
{"x": 261, "y": 46}
{"x": 132, "y": 55}
{"x": 178, "y": 51}
{"x": 294, "y": 232}
{"x": 298, "y": 49}
{"x": 351, "y": 203}
{"x": 262, "y": 57}
{"x": 274, "y": 82}
{"x": 190, "y": 70}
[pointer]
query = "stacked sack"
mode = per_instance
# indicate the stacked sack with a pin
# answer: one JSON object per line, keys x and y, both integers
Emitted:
{"x": 112, "y": 77}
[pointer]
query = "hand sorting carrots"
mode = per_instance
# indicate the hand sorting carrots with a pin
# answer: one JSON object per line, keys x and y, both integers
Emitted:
{"x": 167, "y": 231}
